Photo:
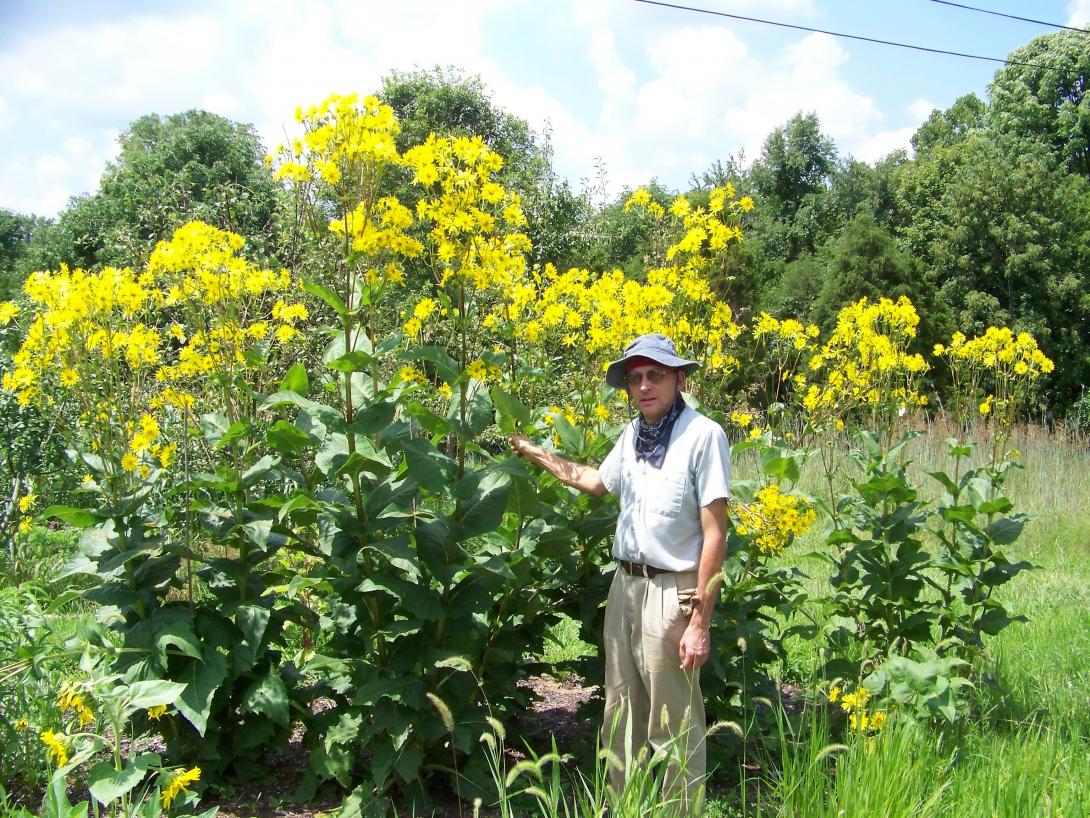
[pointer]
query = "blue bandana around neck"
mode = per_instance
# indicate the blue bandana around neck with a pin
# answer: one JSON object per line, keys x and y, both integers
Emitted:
{"x": 652, "y": 439}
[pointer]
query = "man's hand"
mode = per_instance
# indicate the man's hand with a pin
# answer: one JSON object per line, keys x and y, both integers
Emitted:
{"x": 519, "y": 444}
{"x": 696, "y": 645}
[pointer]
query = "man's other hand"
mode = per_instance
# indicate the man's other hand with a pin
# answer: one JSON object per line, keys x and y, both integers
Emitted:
{"x": 696, "y": 645}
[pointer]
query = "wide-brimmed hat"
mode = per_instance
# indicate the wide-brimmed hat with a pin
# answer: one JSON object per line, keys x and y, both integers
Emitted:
{"x": 656, "y": 347}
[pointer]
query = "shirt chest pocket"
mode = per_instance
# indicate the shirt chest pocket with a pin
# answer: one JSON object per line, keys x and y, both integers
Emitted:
{"x": 666, "y": 493}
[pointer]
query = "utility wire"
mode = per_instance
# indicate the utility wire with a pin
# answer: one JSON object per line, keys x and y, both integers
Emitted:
{"x": 1010, "y": 16}
{"x": 839, "y": 34}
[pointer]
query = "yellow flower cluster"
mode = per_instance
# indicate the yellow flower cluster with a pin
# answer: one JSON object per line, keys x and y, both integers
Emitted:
{"x": 178, "y": 784}
{"x": 72, "y": 699}
{"x": 774, "y": 519}
{"x": 856, "y": 706}
{"x": 475, "y": 222}
{"x": 866, "y": 363}
{"x": 57, "y": 747}
{"x": 127, "y": 344}
{"x": 1007, "y": 363}
{"x": 342, "y": 135}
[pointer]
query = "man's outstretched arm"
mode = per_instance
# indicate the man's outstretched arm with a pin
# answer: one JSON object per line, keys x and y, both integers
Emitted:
{"x": 576, "y": 475}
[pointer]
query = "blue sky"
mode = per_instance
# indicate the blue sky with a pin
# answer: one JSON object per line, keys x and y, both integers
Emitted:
{"x": 652, "y": 92}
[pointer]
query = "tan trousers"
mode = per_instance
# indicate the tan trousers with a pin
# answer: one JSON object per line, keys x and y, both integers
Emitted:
{"x": 650, "y": 701}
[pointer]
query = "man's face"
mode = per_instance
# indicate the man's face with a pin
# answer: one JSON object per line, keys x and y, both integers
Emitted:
{"x": 652, "y": 388}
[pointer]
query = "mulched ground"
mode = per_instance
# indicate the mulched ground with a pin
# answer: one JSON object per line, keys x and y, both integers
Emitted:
{"x": 555, "y": 713}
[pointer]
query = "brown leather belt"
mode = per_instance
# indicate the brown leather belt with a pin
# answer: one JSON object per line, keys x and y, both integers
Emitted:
{"x": 638, "y": 569}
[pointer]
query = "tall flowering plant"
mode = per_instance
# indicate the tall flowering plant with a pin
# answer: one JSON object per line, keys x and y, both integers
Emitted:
{"x": 164, "y": 369}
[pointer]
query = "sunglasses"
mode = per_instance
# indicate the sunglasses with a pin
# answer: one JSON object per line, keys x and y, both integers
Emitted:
{"x": 654, "y": 376}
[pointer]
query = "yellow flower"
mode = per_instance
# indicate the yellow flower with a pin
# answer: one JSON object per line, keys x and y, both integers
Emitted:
{"x": 22, "y": 725}
{"x": 157, "y": 712}
{"x": 26, "y": 502}
{"x": 986, "y": 406}
{"x": 445, "y": 392}
{"x": 58, "y": 749}
{"x": 69, "y": 377}
{"x": 179, "y": 783}
{"x": 834, "y": 694}
{"x": 601, "y": 412}
{"x": 8, "y": 310}
{"x": 25, "y": 525}
{"x": 128, "y": 462}
{"x": 478, "y": 370}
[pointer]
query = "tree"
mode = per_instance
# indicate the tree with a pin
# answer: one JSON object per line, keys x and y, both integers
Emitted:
{"x": 796, "y": 161}
{"x": 16, "y": 231}
{"x": 170, "y": 170}
{"x": 1044, "y": 96}
{"x": 1003, "y": 228}
{"x": 946, "y": 128}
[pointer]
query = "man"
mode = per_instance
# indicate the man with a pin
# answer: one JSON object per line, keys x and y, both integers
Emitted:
{"x": 670, "y": 469}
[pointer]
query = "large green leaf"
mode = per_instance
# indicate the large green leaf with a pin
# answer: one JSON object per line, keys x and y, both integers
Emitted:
{"x": 483, "y": 508}
{"x": 76, "y": 517}
{"x": 478, "y": 410}
{"x": 106, "y": 784}
{"x": 374, "y": 418}
{"x": 296, "y": 380}
{"x": 202, "y": 679}
{"x": 288, "y": 439}
{"x": 330, "y": 417}
{"x": 145, "y": 694}
{"x": 421, "y": 602}
{"x": 428, "y": 466}
{"x": 512, "y": 414}
{"x": 446, "y": 367}
{"x": 327, "y": 295}
{"x": 268, "y": 697}
{"x": 252, "y": 620}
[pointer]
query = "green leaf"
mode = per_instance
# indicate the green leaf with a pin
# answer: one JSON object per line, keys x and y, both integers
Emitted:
{"x": 445, "y": 366}
{"x": 357, "y": 462}
{"x": 259, "y": 470}
{"x": 512, "y": 413}
{"x": 106, "y": 784}
{"x": 327, "y": 295}
{"x": 236, "y": 431}
{"x": 355, "y": 361}
{"x": 478, "y": 410}
{"x": 289, "y": 440}
{"x": 201, "y": 682}
{"x": 331, "y": 418}
{"x": 253, "y": 621}
{"x": 1006, "y": 530}
{"x": 374, "y": 418}
{"x": 268, "y": 697}
{"x": 483, "y": 509}
{"x": 146, "y": 694}
{"x": 428, "y": 466}
{"x": 296, "y": 380}
{"x": 76, "y": 517}
{"x": 181, "y": 636}
{"x": 419, "y": 601}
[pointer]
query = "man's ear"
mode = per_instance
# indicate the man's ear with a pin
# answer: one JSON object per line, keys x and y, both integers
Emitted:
{"x": 681, "y": 380}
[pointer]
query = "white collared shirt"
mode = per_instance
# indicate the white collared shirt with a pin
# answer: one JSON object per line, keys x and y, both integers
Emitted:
{"x": 659, "y": 521}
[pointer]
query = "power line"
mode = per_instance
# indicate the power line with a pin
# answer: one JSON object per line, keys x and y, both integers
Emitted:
{"x": 1010, "y": 16}
{"x": 839, "y": 34}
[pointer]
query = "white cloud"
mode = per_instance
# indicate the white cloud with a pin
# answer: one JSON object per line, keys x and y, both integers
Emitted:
{"x": 883, "y": 143}
{"x": 43, "y": 183}
{"x": 921, "y": 109}
{"x": 1078, "y": 13}
{"x": 6, "y": 116}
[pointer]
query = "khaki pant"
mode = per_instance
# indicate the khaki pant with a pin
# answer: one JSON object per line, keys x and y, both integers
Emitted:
{"x": 650, "y": 701}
